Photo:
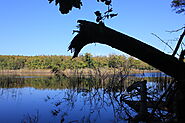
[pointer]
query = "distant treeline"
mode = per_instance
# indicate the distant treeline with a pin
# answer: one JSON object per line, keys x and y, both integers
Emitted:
{"x": 8, "y": 62}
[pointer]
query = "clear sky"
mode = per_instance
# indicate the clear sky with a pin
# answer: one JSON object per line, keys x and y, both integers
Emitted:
{"x": 34, "y": 27}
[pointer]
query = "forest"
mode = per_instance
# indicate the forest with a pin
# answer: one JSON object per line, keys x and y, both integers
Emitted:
{"x": 13, "y": 62}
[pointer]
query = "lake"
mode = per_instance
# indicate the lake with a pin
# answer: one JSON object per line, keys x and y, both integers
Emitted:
{"x": 50, "y": 99}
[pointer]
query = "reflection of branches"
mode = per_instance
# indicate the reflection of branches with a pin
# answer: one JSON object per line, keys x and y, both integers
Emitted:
{"x": 120, "y": 109}
{"x": 31, "y": 118}
{"x": 95, "y": 102}
{"x": 13, "y": 93}
{"x": 159, "y": 105}
{"x": 162, "y": 96}
{"x": 88, "y": 96}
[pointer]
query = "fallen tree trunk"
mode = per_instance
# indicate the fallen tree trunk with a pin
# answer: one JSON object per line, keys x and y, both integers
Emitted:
{"x": 98, "y": 33}
{"x": 90, "y": 32}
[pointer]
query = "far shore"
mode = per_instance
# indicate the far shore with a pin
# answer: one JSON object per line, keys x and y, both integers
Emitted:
{"x": 38, "y": 72}
{"x": 67, "y": 72}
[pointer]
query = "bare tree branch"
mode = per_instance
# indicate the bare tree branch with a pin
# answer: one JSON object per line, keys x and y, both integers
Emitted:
{"x": 176, "y": 30}
{"x": 162, "y": 41}
{"x": 178, "y": 43}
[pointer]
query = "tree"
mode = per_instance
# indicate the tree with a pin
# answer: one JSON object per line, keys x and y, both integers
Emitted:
{"x": 88, "y": 60}
{"x": 90, "y": 32}
{"x": 178, "y": 5}
{"x": 115, "y": 61}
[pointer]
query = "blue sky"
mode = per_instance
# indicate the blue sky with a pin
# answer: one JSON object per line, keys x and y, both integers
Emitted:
{"x": 34, "y": 27}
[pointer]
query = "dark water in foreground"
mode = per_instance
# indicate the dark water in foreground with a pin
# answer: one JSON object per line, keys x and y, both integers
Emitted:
{"x": 71, "y": 100}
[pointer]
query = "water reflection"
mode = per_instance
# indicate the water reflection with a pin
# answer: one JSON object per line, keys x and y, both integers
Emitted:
{"x": 86, "y": 99}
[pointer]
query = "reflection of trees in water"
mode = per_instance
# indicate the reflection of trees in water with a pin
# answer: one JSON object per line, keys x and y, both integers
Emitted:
{"x": 32, "y": 81}
{"x": 99, "y": 80}
{"x": 97, "y": 100}
{"x": 89, "y": 97}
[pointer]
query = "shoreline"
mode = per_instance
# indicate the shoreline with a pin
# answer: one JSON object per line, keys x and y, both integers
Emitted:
{"x": 25, "y": 72}
{"x": 67, "y": 72}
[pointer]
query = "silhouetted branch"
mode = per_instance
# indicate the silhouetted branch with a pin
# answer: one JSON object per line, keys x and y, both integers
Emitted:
{"x": 162, "y": 41}
{"x": 178, "y": 43}
{"x": 176, "y": 30}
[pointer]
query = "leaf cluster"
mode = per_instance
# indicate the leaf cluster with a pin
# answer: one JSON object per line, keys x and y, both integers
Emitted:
{"x": 66, "y": 5}
{"x": 107, "y": 14}
{"x": 178, "y": 5}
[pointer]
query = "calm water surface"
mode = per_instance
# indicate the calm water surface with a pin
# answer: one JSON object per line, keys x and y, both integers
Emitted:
{"x": 29, "y": 99}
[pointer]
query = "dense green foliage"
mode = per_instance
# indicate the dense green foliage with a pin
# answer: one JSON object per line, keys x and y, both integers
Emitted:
{"x": 66, "y": 62}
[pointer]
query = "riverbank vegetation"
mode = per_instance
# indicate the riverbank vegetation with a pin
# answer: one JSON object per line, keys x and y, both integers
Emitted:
{"x": 86, "y": 61}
